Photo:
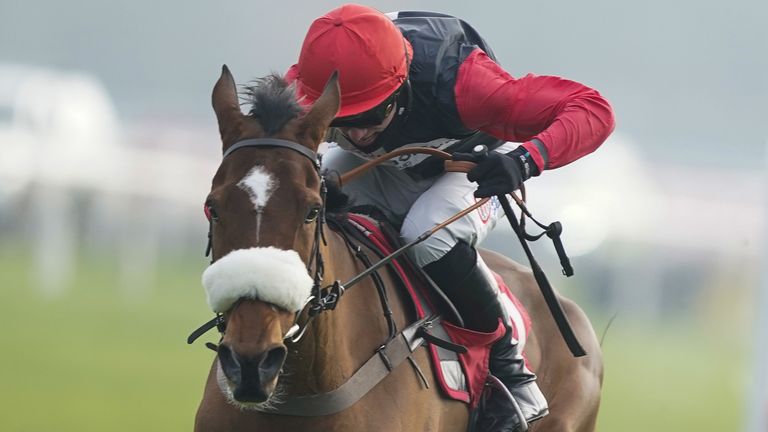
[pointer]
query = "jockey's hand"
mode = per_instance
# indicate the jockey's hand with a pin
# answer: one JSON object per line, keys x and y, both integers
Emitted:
{"x": 499, "y": 173}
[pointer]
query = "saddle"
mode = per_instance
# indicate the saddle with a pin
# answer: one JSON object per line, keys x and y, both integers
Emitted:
{"x": 459, "y": 356}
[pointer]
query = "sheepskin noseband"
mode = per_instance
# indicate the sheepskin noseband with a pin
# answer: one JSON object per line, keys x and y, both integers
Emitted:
{"x": 265, "y": 273}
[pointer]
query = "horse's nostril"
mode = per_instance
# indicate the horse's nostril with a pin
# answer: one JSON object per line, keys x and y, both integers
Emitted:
{"x": 229, "y": 364}
{"x": 271, "y": 363}
{"x": 251, "y": 377}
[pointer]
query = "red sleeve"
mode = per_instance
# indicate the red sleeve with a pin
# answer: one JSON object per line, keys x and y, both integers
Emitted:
{"x": 568, "y": 118}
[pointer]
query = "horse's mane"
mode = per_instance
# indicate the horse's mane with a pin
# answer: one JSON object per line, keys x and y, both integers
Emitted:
{"x": 273, "y": 102}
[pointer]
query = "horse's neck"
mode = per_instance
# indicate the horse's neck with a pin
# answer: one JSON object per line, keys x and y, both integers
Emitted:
{"x": 338, "y": 342}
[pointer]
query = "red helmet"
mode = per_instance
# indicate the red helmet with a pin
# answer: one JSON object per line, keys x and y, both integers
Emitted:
{"x": 363, "y": 44}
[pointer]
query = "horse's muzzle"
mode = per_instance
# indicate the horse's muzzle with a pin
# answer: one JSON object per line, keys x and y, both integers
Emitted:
{"x": 253, "y": 378}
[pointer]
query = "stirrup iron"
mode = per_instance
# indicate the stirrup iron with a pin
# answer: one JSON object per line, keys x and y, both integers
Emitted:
{"x": 496, "y": 383}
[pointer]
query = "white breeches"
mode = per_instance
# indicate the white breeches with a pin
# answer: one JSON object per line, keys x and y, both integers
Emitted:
{"x": 420, "y": 204}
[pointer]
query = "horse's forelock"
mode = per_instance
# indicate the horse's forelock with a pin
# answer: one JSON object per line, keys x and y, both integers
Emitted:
{"x": 273, "y": 102}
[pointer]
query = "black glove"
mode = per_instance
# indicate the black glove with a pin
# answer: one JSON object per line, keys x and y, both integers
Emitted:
{"x": 499, "y": 173}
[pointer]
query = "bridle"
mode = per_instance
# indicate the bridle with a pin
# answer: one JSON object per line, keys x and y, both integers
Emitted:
{"x": 275, "y": 142}
{"x": 322, "y": 298}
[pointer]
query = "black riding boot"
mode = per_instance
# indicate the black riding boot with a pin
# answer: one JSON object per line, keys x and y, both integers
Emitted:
{"x": 475, "y": 295}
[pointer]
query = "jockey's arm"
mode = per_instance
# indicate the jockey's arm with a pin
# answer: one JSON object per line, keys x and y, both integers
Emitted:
{"x": 557, "y": 120}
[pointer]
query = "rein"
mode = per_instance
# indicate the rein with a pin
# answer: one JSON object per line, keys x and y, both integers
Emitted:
{"x": 395, "y": 349}
{"x": 326, "y": 298}
{"x": 552, "y": 231}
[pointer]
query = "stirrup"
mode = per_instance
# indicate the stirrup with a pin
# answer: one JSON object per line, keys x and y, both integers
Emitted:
{"x": 496, "y": 383}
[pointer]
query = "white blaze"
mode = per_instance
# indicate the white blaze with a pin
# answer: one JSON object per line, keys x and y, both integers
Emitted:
{"x": 259, "y": 185}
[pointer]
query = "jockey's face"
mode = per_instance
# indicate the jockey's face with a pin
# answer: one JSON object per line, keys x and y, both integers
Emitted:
{"x": 363, "y": 136}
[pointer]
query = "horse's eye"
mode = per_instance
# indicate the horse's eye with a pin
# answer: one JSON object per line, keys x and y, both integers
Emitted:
{"x": 210, "y": 213}
{"x": 312, "y": 215}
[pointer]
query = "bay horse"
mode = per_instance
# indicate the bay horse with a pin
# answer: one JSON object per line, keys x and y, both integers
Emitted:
{"x": 266, "y": 207}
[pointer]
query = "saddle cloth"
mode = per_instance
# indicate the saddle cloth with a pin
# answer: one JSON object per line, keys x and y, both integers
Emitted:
{"x": 461, "y": 376}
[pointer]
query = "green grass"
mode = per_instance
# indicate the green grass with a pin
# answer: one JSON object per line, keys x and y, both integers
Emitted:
{"x": 99, "y": 359}
{"x": 674, "y": 379}
{"x": 96, "y": 359}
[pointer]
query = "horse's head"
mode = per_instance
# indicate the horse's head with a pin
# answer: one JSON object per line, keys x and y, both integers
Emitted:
{"x": 263, "y": 205}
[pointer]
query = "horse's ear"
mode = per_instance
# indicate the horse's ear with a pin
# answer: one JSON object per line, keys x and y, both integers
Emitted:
{"x": 226, "y": 104}
{"x": 325, "y": 108}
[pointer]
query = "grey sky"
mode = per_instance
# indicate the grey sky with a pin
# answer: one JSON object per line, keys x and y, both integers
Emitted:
{"x": 687, "y": 78}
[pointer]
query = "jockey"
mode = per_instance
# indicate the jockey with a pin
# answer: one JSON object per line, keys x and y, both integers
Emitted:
{"x": 428, "y": 79}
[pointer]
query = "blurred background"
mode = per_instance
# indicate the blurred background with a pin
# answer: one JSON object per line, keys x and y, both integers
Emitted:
{"x": 108, "y": 144}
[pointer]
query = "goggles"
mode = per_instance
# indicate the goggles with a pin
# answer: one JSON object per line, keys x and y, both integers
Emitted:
{"x": 373, "y": 117}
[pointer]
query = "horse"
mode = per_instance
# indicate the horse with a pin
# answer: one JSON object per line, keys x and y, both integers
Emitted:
{"x": 266, "y": 208}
